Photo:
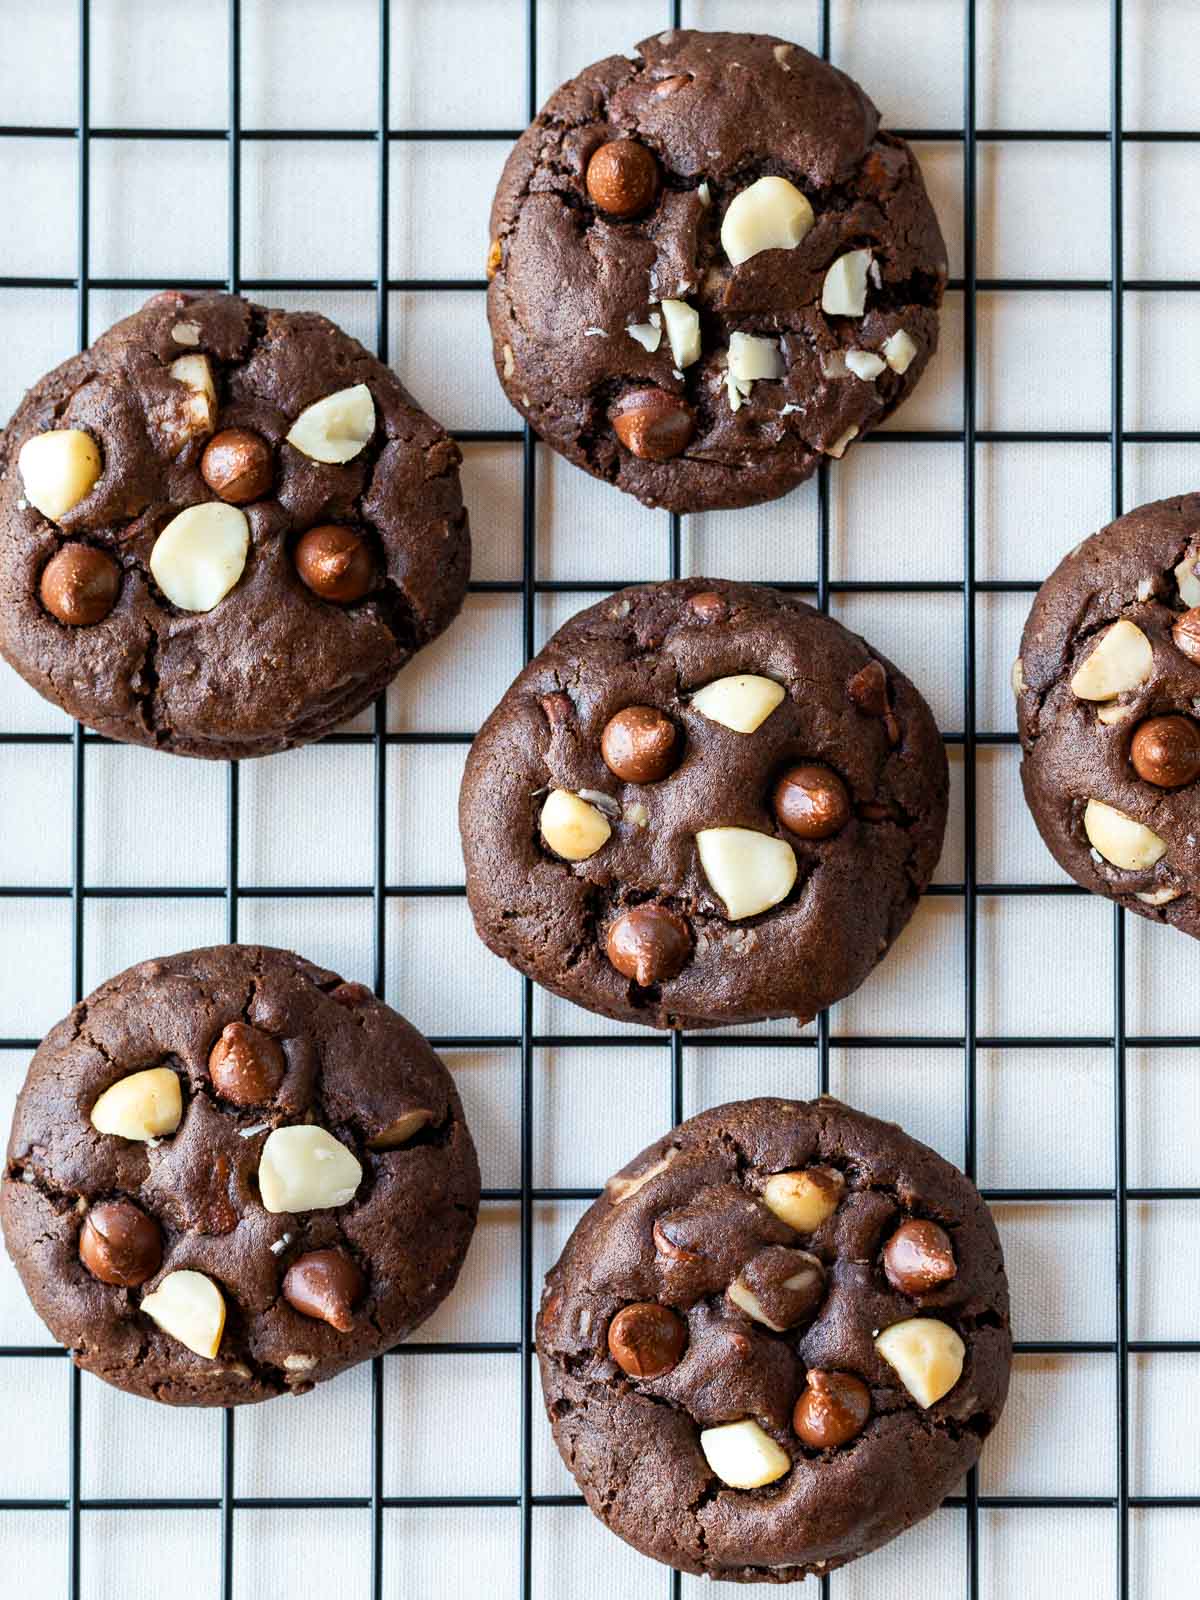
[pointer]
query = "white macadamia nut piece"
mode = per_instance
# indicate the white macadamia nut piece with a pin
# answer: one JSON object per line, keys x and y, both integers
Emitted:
{"x": 304, "y": 1168}
{"x": 683, "y": 331}
{"x": 1185, "y": 577}
{"x": 705, "y": 194}
{"x": 838, "y": 448}
{"x": 186, "y": 333}
{"x": 1112, "y": 713}
{"x": 195, "y": 373}
{"x": 751, "y": 358}
{"x": 338, "y": 427}
{"x": 864, "y": 364}
{"x": 58, "y": 469}
{"x": 400, "y": 1131}
{"x": 144, "y": 1105}
{"x": 750, "y": 872}
{"x": 771, "y": 214}
{"x": 620, "y": 1189}
{"x": 743, "y": 1455}
{"x": 899, "y": 351}
{"x": 648, "y": 334}
{"x": 1122, "y": 660}
{"x": 201, "y": 554}
{"x": 191, "y": 1308}
{"x": 926, "y": 1355}
{"x": 1160, "y": 897}
{"x": 844, "y": 292}
{"x": 743, "y": 702}
{"x": 804, "y": 1200}
{"x": 1122, "y": 841}
{"x": 1017, "y": 676}
{"x": 571, "y": 827}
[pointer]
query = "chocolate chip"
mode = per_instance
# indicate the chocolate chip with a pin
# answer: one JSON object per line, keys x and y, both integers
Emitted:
{"x": 334, "y": 562}
{"x": 811, "y": 802}
{"x": 236, "y": 465}
{"x": 779, "y": 1287}
{"x": 120, "y": 1244}
{"x": 638, "y": 744}
{"x": 708, "y": 606}
{"x": 246, "y": 1065}
{"x": 351, "y": 995}
{"x": 324, "y": 1284}
{"x": 1166, "y": 752}
{"x": 646, "y": 1339}
{"x": 1186, "y": 634}
{"x": 868, "y": 688}
{"x": 652, "y": 424}
{"x": 918, "y": 1257}
{"x": 648, "y": 944}
{"x": 79, "y": 585}
{"x": 832, "y": 1410}
{"x": 622, "y": 177}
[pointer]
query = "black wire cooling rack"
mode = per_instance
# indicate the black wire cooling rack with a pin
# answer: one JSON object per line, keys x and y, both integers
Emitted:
{"x": 971, "y": 739}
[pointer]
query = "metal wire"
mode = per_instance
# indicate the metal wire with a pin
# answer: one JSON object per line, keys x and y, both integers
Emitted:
{"x": 390, "y": 746}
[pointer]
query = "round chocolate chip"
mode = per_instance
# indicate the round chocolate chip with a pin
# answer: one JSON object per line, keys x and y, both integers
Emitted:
{"x": 832, "y": 1410}
{"x": 622, "y": 177}
{"x": 1186, "y": 634}
{"x": 351, "y": 995}
{"x": 324, "y": 1284}
{"x": 236, "y": 465}
{"x": 646, "y": 1339}
{"x": 652, "y": 424}
{"x": 918, "y": 1257}
{"x": 246, "y": 1065}
{"x": 648, "y": 944}
{"x": 1166, "y": 752}
{"x": 79, "y": 585}
{"x": 708, "y": 606}
{"x": 811, "y": 802}
{"x": 120, "y": 1244}
{"x": 638, "y": 744}
{"x": 334, "y": 562}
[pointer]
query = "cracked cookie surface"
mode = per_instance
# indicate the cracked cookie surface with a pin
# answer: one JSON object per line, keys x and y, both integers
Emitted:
{"x": 308, "y": 1053}
{"x": 273, "y": 662}
{"x": 1108, "y": 706}
{"x": 673, "y": 1234}
{"x": 580, "y": 255}
{"x": 689, "y": 898}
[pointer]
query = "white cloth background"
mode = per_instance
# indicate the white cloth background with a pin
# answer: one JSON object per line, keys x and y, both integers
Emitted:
{"x": 1045, "y": 1115}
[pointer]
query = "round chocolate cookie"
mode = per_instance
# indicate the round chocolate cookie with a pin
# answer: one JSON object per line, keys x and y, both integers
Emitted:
{"x": 224, "y": 529}
{"x": 231, "y": 1175}
{"x": 776, "y": 1340}
{"x": 1108, "y": 703}
{"x": 702, "y": 803}
{"x": 710, "y": 270}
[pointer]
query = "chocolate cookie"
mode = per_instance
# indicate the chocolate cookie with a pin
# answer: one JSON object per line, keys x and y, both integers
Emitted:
{"x": 776, "y": 1340}
{"x": 702, "y": 803}
{"x": 710, "y": 270}
{"x": 1108, "y": 703}
{"x": 231, "y": 1175}
{"x": 224, "y": 529}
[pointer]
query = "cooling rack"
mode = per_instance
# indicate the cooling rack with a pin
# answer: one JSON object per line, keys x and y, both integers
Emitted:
{"x": 523, "y": 1532}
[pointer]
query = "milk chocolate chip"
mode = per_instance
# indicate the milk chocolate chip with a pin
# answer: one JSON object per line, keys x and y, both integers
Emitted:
{"x": 622, "y": 177}
{"x": 652, "y": 424}
{"x": 324, "y": 1284}
{"x": 120, "y": 1244}
{"x": 918, "y": 1257}
{"x": 236, "y": 465}
{"x": 832, "y": 1410}
{"x": 638, "y": 744}
{"x": 334, "y": 562}
{"x": 1166, "y": 752}
{"x": 246, "y": 1065}
{"x": 79, "y": 585}
{"x": 648, "y": 944}
{"x": 811, "y": 802}
{"x": 646, "y": 1339}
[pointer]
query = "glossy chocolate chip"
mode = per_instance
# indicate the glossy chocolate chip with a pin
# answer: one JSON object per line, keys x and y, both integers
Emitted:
{"x": 79, "y": 585}
{"x": 246, "y": 1065}
{"x": 918, "y": 1257}
{"x": 868, "y": 689}
{"x": 652, "y": 424}
{"x": 334, "y": 562}
{"x": 1166, "y": 752}
{"x": 638, "y": 744}
{"x": 811, "y": 802}
{"x": 708, "y": 606}
{"x": 120, "y": 1244}
{"x": 832, "y": 1410}
{"x": 622, "y": 177}
{"x": 646, "y": 1339}
{"x": 1186, "y": 634}
{"x": 648, "y": 944}
{"x": 236, "y": 465}
{"x": 324, "y": 1284}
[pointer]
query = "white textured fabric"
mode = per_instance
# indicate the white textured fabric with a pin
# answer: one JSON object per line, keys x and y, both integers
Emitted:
{"x": 1045, "y": 1115}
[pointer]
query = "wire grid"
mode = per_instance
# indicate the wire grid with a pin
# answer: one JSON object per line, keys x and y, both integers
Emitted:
{"x": 529, "y": 587}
